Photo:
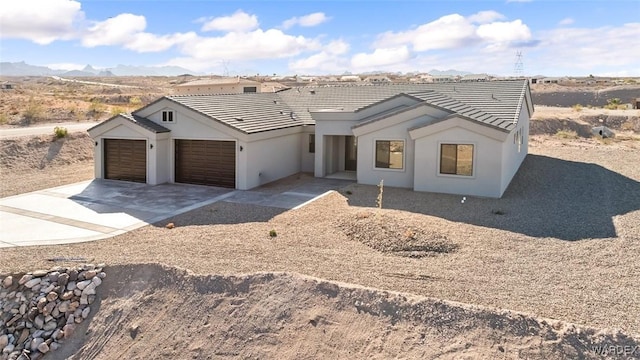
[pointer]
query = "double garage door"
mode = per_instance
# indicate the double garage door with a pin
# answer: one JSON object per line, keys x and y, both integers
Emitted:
{"x": 201, "y": 162}
{"x": 206, "y": 162}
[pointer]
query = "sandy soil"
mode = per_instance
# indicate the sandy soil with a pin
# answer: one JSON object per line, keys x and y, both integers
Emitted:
{"x": 561, "y": 244}
{"x": 167, "y": 313}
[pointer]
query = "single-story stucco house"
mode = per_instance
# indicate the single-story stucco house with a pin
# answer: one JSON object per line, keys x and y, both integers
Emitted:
{"x": 458, "y": 138}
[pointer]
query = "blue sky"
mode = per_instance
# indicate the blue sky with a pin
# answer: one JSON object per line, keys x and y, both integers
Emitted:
{"x": 556, "y": 38}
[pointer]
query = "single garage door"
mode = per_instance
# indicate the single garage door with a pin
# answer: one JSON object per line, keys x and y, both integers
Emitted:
{"x": 206, "y": 162}
{"x": 125, "y": 160}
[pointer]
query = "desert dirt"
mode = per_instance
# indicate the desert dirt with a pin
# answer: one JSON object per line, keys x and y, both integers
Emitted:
{"x": 561, "y": 244}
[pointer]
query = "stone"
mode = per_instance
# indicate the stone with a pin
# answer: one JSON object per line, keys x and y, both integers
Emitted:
{"x": 63, "y": 279}
{"x": 97, "y": 281}
{"x": 23, "y": 280}
{"x": 39, "y": 322}
{"x": 84, "y": 300}
{"x": 66, "y": 295}
{"x": 33, "y": 312}
{"x": 32, "y": 283}
{"x": 89, "y": 274}
{"x": 63, "y": 307}
{"x": 71, "y": 285}
{"x": 68, "y": 330}
{"x": 23, "y": 336}
{"x": 39, "y": 273}
{"x": 50, "y": 326}
{"x": 42, "y": 302}
{"x": 57, "y": 334}
{"x": 35, "y": 343}
{"x": 89, "y": 291}
{"x": 43, "y": 348}
{"x": 91, "y": 299}
{"x": 83, "y": 284}
{"x": 54, "y": 346}
{"x": 85, "y": 312}
{"x": 73, "y": 274}
{"x": 53, "y": 276}
{"x": 8, "y": 349}
{"x": 7, "y": 282}
{"x": 4, "y": 341}
{"x": 13, "y": 320}
{"x": 77, "y": 292}
{"x": 49, "y": 308}
{"x": 71, "y": 319}
{"x": 23, "y": 308}
{"x": 102, "y": 275}
{"x": 37, "y": 333}
{"x": 52, "y": 296}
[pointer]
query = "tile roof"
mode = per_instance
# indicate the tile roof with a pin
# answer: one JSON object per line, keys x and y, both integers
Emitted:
{"x": 138, "y": 120}
{"x": 493, "y": 103}
{"x": 248, "y": 113}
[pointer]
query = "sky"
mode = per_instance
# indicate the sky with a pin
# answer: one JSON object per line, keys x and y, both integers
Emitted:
{"x": 286, "y": 37}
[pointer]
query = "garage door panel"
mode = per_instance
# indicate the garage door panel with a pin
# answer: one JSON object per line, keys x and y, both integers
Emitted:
{"x": 206, "y": 162}
{"x": 125, "y": 160}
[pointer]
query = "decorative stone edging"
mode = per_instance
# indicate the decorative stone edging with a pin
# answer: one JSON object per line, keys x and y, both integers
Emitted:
{"x": 40, "y": 309}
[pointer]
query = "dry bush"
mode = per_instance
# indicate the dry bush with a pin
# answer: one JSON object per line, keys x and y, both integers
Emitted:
{"x": 567, "y": 134}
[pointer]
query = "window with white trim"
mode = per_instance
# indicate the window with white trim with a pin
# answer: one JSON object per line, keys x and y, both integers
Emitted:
{"x": 167, "y": 116}
{"x": 390, "y": 154}
{"x": 456, "y": 159}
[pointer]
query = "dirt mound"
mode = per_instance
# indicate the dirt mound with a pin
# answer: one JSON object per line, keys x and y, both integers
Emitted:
{"x": 393, "y": 232}
{"x": 42, "y": 161}
{"x": 151, "y": 311}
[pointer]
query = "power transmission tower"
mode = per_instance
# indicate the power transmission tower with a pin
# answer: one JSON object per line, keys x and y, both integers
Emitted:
{"x": 518, "y": 68}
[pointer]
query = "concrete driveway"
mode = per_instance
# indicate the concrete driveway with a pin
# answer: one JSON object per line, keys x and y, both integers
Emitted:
{"x": 95, "y": 209}
{"x": 99, "y": 209}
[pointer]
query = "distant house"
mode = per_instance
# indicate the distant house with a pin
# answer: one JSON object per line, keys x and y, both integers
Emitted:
{"x": 6, "y": 86}
{"x": 444, "y": 78}
{"x": 377, "y": 79}
{"x": 475, "y": 77}
{"x": 222, "y": 85}
{"x": 458, "y": 138}
{"x": 350, "y": 78}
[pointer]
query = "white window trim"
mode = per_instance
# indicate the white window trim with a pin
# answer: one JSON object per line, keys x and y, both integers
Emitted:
{"x": 404, "y": 155}
{"x": 474, "y": 161}
{"x": 173, "y": 117}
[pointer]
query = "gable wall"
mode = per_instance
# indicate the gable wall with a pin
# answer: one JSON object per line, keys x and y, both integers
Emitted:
{"x": 486, "y": 166}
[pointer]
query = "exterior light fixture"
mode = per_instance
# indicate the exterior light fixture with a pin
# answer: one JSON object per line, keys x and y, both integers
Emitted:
{"x": 150, "y": 146}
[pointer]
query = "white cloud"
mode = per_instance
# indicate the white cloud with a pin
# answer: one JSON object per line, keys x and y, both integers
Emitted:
{"x": 41, "y": 21}
{"x": 239, "y": 21}
{"x": 127, "y": 30}
{"x": 380, "y": 58}
{"x": 258, "y": 44}
{"x": 330, "y": 60}
{"x": 449, "y": 31}
{"x": 456, "y": 31}
{"x": 309, "y": 20}
{"x": 504, "y": 32}
{"x": 484, "y": 17}
{"x": 566, "y": 21}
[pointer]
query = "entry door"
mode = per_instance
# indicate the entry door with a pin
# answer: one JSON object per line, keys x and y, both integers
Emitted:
{"x": 350, "y": 153}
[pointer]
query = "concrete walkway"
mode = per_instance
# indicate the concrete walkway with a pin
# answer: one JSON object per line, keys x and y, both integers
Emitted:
{"x": 99, "y": 209}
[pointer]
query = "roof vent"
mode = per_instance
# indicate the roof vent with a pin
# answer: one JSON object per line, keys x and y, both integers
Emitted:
{"x": 275, "y": 101}
{"x": 312, "y": 92}
{"x": 239, "y": 119}
{"x": 293, "y": 116}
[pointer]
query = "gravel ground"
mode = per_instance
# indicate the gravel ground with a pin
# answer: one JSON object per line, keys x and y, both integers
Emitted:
{"x": 563, "y": 242}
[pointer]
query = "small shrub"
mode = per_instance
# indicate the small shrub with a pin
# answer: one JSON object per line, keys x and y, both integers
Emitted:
{"x": 577, "y": 107}
{"x": 60, "y": 132}
{"x": 273, "y": 233}
{"x": 567, "y": 134}
{"x": 33, "y": 112}
{"x": 615, "y": 103}
{"x": 170, "y": 225}
{"x": 135, "y": 101}
{"x": 116, "y": 110}
{"x": 4, "y": 118}
{"x": 348, "y": 192}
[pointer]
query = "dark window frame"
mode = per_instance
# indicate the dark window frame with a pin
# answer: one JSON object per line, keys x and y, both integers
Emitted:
{"x": 168, "y": 116}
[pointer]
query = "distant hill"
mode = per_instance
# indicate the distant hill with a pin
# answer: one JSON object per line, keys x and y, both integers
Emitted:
{"x": 23, "y": 69}
{"x": 449, "y": 72}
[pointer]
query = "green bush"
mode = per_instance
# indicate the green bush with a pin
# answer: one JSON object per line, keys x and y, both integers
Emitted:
{"x": 273, "y": 233}
{"x": 33, "y": 112}
{"x": 60, "y": 132}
